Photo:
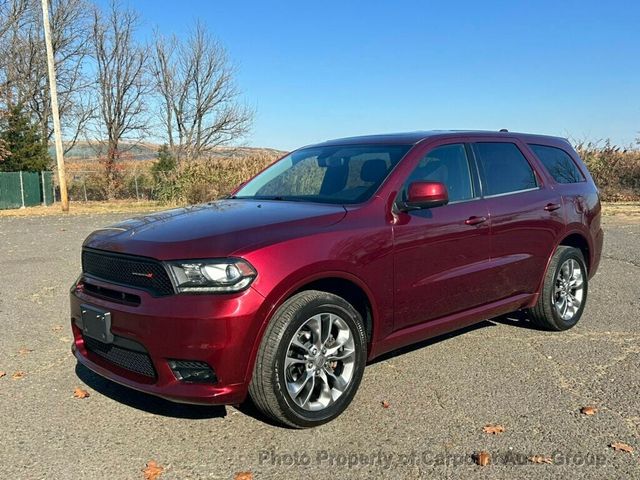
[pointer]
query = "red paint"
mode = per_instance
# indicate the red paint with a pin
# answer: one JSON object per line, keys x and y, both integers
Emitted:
{"x": 428, "y": 192}
{"x": 423, "y": 272}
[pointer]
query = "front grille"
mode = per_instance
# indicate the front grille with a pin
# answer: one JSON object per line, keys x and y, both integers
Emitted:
{"x": 127, "y": 270}
{"x": 137, "y": 362}
{"x": 110, "y": 294}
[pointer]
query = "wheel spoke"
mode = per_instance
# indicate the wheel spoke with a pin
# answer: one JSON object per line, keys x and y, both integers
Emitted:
{"x": 576, "y": 282}
{"x": 346, "y": 353}
{"x": 315, "y": 324}
{"x": 288, "y": 361}
{"x": 327, "y": 322}
{"x": 565, "y": 307}
{"x": 566, "y": 271}
{"x": 338, "y": 382}
{"x": 325, "y": 397}
{"x": 296, "y": 387}
{"x": 311, "y": 389}
{"x": 296, "y": 343}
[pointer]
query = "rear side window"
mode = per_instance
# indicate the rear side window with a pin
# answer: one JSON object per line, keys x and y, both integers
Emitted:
{"x": 558, "y": 163}
{"x": 505, "y": 168}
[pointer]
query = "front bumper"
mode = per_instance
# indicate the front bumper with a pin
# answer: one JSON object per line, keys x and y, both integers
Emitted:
{"x": 217, "y": 329}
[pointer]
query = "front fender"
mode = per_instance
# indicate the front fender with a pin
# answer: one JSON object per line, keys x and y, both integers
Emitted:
{"x": 295, "y": 282}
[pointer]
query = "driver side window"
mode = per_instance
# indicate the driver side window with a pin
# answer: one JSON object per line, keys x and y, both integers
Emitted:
{"x": 447, "y": 164}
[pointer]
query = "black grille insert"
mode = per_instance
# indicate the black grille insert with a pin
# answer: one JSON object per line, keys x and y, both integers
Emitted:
{"x": 109, "y": 294}
{"x": 137, "y": 272}
{"x": 137, "y": 362}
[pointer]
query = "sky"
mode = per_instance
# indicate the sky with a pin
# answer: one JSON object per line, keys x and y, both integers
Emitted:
{"x": 319, "y": 70}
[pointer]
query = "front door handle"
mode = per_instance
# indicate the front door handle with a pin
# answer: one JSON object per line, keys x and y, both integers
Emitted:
{"x": 475, "y": 220}
{"x": 550, "y": 207}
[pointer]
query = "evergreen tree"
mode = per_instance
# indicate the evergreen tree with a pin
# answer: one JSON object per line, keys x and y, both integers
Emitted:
{"x": 22, "y": 139}
{"x": 166, "y": 163}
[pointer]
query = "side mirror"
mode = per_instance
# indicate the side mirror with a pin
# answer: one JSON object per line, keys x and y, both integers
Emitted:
{"x": 426, "y": 195}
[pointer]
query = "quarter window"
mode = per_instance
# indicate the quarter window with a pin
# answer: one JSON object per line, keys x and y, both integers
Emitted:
{"x": 558, "y": 163}
{"x": 449, "y": 165}
{"x": 505, "y": 168}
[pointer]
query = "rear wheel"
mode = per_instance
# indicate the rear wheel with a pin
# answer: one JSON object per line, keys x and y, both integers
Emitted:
{"x": 310, "y": 361}
{"x": 564, "y": 291}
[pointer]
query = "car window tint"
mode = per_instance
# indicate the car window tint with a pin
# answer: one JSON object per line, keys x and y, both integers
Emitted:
{"x": 505, "y": 168}
{"x": 329, "y": 174}
{"x": 449, "y": 165}
{"x": 558, "y": 163}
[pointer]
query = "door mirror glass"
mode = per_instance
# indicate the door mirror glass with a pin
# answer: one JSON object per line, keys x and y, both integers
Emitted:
{"x": 426, "y": 195}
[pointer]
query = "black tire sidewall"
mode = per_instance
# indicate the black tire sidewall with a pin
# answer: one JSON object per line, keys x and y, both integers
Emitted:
{"x": 290, "y": 409}
{"x": 567, "y": 254}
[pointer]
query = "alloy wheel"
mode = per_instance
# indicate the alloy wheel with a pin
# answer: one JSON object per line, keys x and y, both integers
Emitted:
{"x": 319, "y": 364}
{"x": 569, "y": 289}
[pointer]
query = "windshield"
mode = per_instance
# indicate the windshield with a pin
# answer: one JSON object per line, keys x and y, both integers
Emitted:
{"x": 332, "y": 174}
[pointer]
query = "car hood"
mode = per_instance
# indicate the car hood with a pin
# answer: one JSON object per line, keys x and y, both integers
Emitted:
{"x": 216, "y": 229}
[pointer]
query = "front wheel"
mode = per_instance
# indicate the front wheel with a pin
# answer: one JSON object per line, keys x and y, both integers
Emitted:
{"x": 564, "y": 291}
{"x": 310, "y": 361}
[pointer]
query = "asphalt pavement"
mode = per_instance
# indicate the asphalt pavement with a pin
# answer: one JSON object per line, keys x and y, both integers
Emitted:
{"x": 438, "y": 395}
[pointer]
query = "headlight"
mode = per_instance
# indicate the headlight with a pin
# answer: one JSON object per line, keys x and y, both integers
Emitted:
{"x": 222, "y": 275}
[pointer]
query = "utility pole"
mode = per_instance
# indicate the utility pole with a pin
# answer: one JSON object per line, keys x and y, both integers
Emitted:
{"x": 62, "y": 181}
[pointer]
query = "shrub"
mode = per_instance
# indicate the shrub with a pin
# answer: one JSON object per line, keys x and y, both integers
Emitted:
{"x": 203, "y": 181}
{"x": 616, "y": 171}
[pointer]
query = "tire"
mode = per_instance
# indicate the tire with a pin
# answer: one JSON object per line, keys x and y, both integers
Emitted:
{"x": 273, "y": 386}
{"x": 547, "y": 314}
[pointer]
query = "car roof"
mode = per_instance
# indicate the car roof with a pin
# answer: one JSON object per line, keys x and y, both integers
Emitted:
{"x": 411, "y": 138}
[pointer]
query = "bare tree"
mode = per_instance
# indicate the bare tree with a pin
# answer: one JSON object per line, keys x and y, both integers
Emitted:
{"x": 199, "y": 98}
{"x": 12, "y": 19}
{"x": 23, "y": 68}
{"x": 122, "y": 82}
{"x": 11, "y": 13}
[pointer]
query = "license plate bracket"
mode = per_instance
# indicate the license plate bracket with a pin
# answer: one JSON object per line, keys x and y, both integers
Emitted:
{"x": 96, "y": 323}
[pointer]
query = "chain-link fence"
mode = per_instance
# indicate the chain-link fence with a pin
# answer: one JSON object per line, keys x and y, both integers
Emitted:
{"x": 93, "y": 185}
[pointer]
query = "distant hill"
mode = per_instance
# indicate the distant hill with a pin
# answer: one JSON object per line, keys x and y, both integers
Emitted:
{"x": 148, "y": 151}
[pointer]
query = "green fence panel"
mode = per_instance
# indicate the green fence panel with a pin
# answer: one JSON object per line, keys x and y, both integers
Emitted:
{"x": 46, "y": 190}
{"x": 10, "y": 193}
{"x": 32, "y": 187}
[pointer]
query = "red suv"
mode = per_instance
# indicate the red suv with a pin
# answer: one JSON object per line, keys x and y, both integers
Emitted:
{"x": 335, "y": 254}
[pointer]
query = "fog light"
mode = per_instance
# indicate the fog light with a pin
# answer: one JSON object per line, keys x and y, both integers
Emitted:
{"x": 192, "y": 371}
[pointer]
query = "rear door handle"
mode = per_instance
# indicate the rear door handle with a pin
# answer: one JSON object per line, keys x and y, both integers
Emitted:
{"x": 550, "y": 207}
{"x": 475, "y": 220}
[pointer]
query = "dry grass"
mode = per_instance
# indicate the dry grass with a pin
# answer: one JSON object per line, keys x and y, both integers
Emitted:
{"x": 621, "y": 209}
{"x": 85, "y": 208}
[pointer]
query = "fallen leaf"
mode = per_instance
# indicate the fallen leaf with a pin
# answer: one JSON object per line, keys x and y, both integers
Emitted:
{"x": 621, "y": 447}
{"x": 385, "y": 404}
{"x": 152, "y": 470}
{"x": 482, "y": 458}
{"x": 18, "y": 375}
{"x": 588, "y": 410}
{"x": 493, "y": 429}
{"x": 243, "y": 476}
{"x": 24, "y": 351}
{"x": 540, "y": 459}
{"x": 2, "y": 374}
{"x": 56, "y": 328}
{"x": 80, "y": 393}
